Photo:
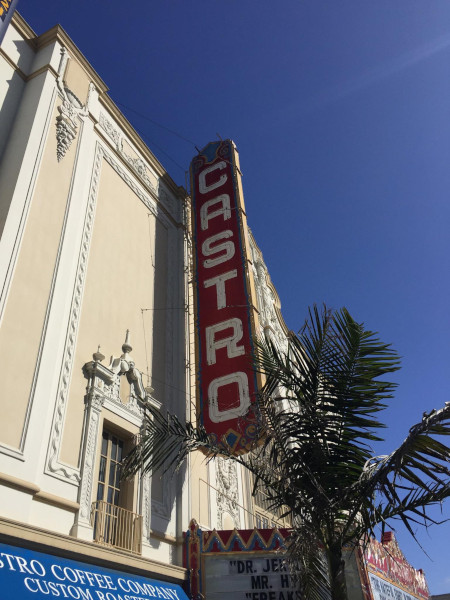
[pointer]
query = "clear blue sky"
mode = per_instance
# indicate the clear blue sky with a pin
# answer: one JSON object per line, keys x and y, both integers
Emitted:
{"x": 341, "y": 114}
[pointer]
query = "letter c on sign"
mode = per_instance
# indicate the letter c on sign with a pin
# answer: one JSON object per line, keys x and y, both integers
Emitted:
{"x": 202, "y": 185}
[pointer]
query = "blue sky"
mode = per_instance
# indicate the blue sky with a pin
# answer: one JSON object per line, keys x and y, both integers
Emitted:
{"x": 341, "y": 113}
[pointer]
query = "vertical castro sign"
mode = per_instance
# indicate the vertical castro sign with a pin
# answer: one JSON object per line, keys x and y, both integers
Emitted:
{"x": 7, "y": 8}
{"x": 225, "y": 317}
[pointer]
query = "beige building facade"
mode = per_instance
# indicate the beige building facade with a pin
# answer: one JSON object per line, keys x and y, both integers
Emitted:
{"x": 96, "y": 322}
{"x": 92, "y": 312}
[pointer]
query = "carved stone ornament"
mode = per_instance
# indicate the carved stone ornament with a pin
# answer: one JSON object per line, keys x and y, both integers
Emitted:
{"x": 105, "y": 381}
{"x": 103, "y": 385}
{"x": 109, "y": 128}
{"x": 69, "y": 110}
{"x": 66, "y": 129}
{"x": 227, "y": 491}
{"x": 267, "y": 302}
{"x": 136, "y": 163}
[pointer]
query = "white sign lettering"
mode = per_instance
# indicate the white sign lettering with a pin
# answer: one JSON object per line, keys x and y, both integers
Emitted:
{"x": 215, "y": 413}
{"x": 230, "y": 342}
{"x": 208, "y": 249}
{"x": 224, "y": 209}
{"x": 202, "y": 185}
{"x": 219, "y": 282}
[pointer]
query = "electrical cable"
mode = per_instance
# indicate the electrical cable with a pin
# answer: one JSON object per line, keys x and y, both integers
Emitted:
{"x": 157, "y": 124}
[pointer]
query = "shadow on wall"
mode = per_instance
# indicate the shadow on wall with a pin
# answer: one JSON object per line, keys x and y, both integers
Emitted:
{"x": 168, "y": 361}
{"x": 10, "y": 101}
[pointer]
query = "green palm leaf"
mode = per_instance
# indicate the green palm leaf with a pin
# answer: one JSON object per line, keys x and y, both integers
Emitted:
{"x": 319, "y": 414}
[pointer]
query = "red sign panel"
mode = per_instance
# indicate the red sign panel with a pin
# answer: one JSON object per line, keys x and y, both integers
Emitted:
{"x": 226, "y": 376}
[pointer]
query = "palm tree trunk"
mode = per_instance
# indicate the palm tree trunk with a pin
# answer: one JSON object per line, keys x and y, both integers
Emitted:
{"x": 336, "y": 564}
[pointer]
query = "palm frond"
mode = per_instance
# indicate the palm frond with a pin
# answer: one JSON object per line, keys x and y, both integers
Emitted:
{"x": 318, "y": 416}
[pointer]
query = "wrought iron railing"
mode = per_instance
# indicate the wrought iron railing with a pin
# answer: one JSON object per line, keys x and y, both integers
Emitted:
{"x": 117, "y": 527}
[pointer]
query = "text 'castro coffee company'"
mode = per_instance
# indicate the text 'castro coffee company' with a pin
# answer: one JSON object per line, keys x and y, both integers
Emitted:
{"x": 227, "y": 383}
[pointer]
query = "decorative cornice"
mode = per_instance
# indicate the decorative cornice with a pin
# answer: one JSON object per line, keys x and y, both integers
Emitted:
{"x": 31, "y": 488}
{"x": 20, "y": 484}
{"x": 22, "y": 27}
{"x": 57, "y": 34}
{"x": 172, "y": 205}
{"x": 141, "y": 146}
{"x": 137, "y": 164}
{"x": 43, "y": 540}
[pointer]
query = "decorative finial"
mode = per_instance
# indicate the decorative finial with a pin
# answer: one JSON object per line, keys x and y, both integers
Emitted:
{"x": 98, "y": 356}
{"x": 126, "y": 346}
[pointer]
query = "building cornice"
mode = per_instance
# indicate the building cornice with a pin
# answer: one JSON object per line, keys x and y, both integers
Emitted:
{"x": 58, "y": 34}
{"x": 23, "y": 28}
{"x": 41, "y": 540}
{"x": 141, "y": 146}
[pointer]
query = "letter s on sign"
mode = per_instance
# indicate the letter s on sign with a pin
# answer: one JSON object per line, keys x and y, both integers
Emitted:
{"x": 208, "y": 249}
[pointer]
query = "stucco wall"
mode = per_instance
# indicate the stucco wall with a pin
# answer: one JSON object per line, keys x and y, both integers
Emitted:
{"x": 22, "y": 324}
{"x": 120, "y": 282}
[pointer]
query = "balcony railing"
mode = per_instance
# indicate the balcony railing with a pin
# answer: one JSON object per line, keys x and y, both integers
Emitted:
{"x": 117, "y": 527}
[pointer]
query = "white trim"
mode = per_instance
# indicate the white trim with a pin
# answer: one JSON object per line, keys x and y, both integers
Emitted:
{"x": 54, "y": 466}
{"x": 12, "y": 235}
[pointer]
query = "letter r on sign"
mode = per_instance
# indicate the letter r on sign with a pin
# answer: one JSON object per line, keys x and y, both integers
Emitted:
{"x": 230, "y": 342}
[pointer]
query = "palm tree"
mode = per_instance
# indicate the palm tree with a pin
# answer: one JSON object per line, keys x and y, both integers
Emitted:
{"x": 318, "y": 416}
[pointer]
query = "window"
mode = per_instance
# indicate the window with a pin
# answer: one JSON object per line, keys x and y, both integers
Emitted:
{"x": 115, "y": 524}
{"x": 108, "y": 488}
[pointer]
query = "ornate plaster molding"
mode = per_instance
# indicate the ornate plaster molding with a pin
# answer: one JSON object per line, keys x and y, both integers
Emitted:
{"x": 137, "y": 164}
{"x": 66, "y": 129}
{"x": 109, "y": 128}
{"x": 69, "y": 110}
{"x": 227, "y": 491}
{"x": 140, "y": 168}
{"x": 103, "y": 384}
{"x": 54, "y": 465}
{"x": 267, "y": 299}
{"x": 93, "y": 410}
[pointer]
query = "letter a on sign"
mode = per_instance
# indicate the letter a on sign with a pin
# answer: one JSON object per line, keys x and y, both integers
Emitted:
{"x": 227, "y": 383}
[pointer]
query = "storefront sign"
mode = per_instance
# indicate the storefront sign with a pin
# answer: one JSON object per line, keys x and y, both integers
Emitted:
{"x": 246, "y": 564}
{"x": 29, "y": 575}
{"x": 227, "y": 383}
{"x": 7, "y": 7}
{"x": 248, "y": 577}
{"x": 385, "y": 590}
{"x": 391, "y": 576}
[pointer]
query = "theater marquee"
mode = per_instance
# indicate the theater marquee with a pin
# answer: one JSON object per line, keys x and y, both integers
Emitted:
{"x": 225, "y": 317}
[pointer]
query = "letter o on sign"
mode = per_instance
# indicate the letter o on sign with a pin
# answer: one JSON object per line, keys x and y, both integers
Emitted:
{"x": 217, "y": 415}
